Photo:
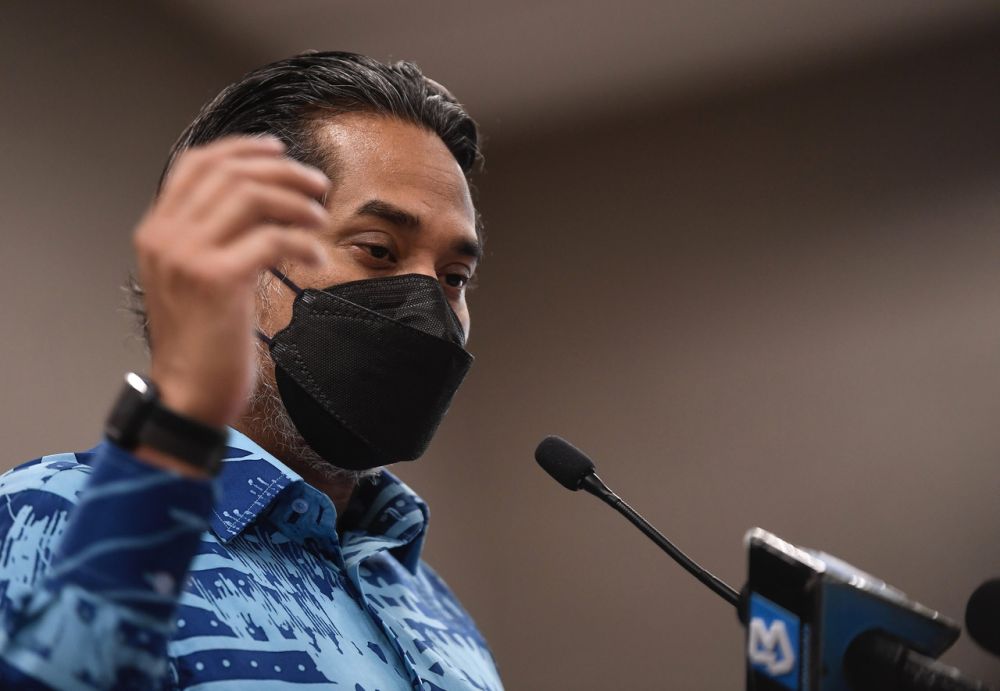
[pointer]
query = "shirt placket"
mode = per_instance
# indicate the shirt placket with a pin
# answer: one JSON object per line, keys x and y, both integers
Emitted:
{"x": 366, "y": 600}
{"x": 312, "y": 521}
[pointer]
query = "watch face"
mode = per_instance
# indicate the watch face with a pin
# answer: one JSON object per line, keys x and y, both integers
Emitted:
{"x": 130, "y": 411}
{"x": 138, "y": 383}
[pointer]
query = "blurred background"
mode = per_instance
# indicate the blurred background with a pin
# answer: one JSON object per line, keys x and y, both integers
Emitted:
{"x": 744, "y": 253}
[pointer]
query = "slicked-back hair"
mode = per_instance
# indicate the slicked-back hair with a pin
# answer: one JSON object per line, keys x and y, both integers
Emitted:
{"x": 287, "y": 98}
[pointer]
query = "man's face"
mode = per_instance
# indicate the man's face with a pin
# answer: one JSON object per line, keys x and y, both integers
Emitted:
{"x": 399, "y": 205}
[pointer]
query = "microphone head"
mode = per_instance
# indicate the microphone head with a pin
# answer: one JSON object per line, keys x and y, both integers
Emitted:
{"x": 982, "y": 616}
{"x": 563, "y": 461}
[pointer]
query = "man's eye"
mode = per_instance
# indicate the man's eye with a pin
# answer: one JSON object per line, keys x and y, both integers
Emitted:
{"x": 378, "y": 251}
{"x": 456, "y": 280}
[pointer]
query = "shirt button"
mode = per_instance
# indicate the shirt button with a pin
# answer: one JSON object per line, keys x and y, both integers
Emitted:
{"x": 300, "y": 505}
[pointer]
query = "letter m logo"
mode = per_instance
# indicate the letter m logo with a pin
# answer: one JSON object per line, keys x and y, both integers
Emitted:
{"x": 773, "y": 642}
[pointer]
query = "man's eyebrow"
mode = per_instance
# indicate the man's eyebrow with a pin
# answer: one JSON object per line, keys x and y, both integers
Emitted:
{"x": 473, "y": 249}
{"x": 388, "y": 212}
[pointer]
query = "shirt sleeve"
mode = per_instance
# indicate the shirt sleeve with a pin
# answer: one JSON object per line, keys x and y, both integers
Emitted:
{"x": 93, "y": 559}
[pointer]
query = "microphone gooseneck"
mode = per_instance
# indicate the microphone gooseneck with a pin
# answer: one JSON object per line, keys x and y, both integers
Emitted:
{"x": 571, "y": 468}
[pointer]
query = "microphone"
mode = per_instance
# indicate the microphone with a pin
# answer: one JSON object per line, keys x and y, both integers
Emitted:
{"x": 982, "y": 616}
{"x": 871, "y": 637}
{"x": 572, "y": 469}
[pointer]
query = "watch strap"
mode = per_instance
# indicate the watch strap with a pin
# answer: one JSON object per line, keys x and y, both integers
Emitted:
{"x": 201, "y": 445}
{"x": 130, "y": 410}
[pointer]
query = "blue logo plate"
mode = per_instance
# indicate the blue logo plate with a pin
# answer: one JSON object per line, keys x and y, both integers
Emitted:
{"x": 773, "y": 642}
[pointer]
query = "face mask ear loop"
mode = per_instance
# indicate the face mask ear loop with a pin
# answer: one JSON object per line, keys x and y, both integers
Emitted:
{"x": 286, "y": 280}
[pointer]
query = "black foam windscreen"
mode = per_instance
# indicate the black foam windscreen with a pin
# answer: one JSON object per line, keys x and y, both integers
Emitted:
{"x": 982, "y": 616}
{"x": 564, "y": 462}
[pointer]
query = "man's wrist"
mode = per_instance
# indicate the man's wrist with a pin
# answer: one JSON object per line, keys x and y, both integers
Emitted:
{"x": 142, "y": 423}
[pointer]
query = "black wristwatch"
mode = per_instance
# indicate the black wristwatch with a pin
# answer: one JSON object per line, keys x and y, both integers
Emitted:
{"x": 139, "y": 418}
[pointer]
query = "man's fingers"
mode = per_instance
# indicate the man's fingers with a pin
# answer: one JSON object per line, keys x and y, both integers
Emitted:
{"x": 253, "y": 204}
{"x": 276, "y": 172}
{"x": 191, "y": 165}
{"x": 269, "y": 246}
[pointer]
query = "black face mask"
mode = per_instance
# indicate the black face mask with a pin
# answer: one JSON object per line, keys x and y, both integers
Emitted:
{"x": 367, "y": 369}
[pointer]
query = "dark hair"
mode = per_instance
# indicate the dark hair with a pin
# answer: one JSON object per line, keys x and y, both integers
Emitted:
{"x": 288, "y": 97}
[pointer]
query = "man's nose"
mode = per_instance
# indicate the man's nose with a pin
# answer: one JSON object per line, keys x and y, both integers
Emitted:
{"x": 423, "y": 268}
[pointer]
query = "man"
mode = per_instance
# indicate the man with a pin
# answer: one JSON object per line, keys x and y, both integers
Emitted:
{"x": 303, "y": 290}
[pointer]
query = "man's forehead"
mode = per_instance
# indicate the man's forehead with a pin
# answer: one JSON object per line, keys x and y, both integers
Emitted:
{"x": 378, "y": 149}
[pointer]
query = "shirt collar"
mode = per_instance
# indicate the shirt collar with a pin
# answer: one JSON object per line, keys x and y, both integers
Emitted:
{"x": 252, "y": 479}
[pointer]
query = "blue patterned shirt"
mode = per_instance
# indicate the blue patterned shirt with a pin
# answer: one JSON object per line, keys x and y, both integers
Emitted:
{"x": 118, "y": 575}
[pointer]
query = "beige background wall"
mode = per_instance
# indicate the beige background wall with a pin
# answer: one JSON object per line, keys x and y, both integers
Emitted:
{"x": 774, "y": 306}
{"x": 92, "y": 98}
